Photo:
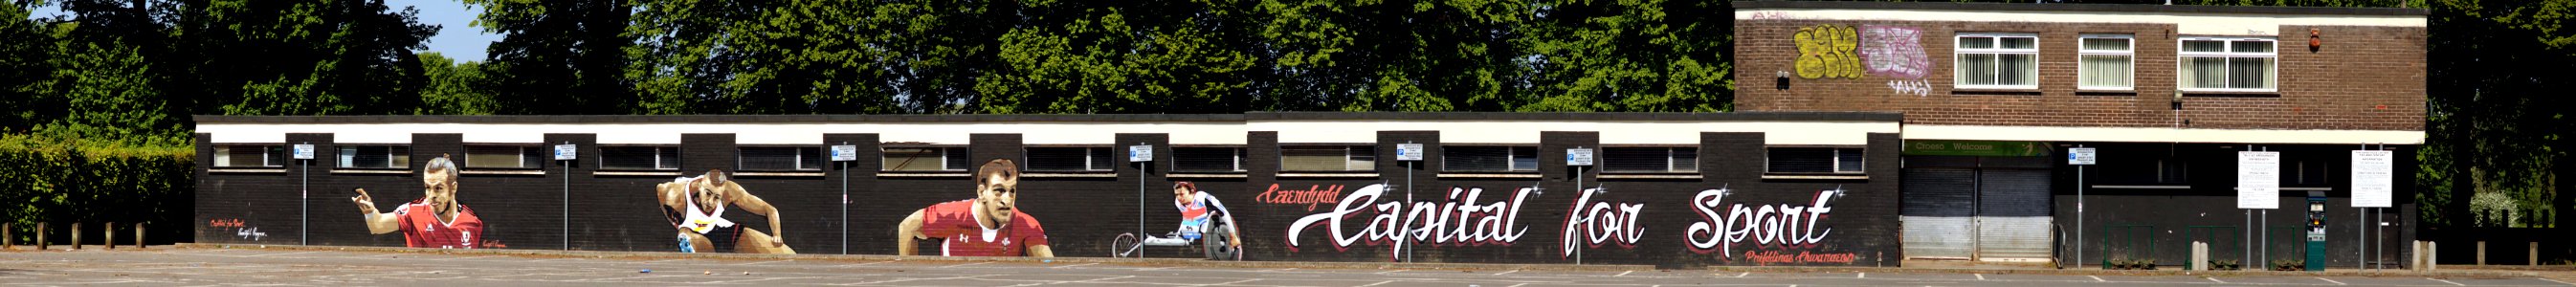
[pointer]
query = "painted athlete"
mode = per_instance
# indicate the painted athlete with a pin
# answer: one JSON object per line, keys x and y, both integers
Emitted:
{"x": 1201, "y": 212}
{"x": 434, "y": 220}
{"x": 696, "y": 206}
{"x": 989, "y": 225}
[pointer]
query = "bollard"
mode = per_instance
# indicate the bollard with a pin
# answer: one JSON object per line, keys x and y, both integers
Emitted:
{"x": 76, "y": 235}
{"x": 2199, "y": 257}
{"x": 40, "y": 237}
{"x": 2535, "y": 253}
{"x": 2482, "y": 252}
{"x": 2432, "y": 254}
{"x": 8, "y": 236}
{"x": 138, "y": 235}
{"x": 108, "y": 236}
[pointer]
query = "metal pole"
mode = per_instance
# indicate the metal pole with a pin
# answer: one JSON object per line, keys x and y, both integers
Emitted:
{"x": 1408, "y": 200}
{"x": 303, "y": 230}
{"x": 845, "y": 205}
{"x": 567, "y": 203}
{"x": 2079, "y": 214}
{"x": 1578, "y": 186}
{"x": 2266, "y": 223}
{"x": 1140, "y": 197}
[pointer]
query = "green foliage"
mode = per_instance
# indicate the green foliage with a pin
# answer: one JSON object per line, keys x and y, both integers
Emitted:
{"x": 1120, "y": 57}
{"x": 59, "y": 181}
{"x": 455, "y": 88}
{"x": 296, "y": 57}
{"x": 559, "y": 56}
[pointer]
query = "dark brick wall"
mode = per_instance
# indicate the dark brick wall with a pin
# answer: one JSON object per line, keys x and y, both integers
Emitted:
{"x": 2170, "y": 215}
{"x": 2362, "y": 78}
{"x": 1082, "y": 211}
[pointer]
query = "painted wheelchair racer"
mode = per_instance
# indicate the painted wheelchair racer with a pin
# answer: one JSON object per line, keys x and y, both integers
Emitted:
{"x": 1203, "y": 220}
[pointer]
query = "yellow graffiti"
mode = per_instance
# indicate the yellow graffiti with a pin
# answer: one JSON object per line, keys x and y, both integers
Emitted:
{"x": 1825, "y": 51}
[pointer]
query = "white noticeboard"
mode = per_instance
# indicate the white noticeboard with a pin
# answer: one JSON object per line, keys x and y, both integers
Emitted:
{"x": 565, "y": 152}
{"x": 1140, "y": 153}
{"x": 1578, "y": 157}
{"x": 2079, "y": 156}
{"x": 2371, "y": 177}
{"x": 845, "y": 153}
{"x": 304, "y": 151}
{"x": 2258, "y": 180}
{"x": 1408, "y": 152}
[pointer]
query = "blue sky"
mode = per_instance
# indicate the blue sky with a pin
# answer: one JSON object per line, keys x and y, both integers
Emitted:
{"x": 457, "y": 37}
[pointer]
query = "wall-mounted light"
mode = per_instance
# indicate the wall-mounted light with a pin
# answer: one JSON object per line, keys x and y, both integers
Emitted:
{"x": 1780, "y": 80}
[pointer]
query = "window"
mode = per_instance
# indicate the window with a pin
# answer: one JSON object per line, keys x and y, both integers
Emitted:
{"x": 1488, "y": 158}
{"x": 2172, "y": 171}
{"x": 2227, "y": 64}
{"x": 250, "y": 156}
{"x": 375, "y": 156}
{"x": 1071, "y": 159}
{"x": 639, "y": 157}
{"x": 925, "y": 159}
{"x": 1650, "y": 159}
{"x": 1998, "y": 61}
{"x": 503, "y": 156}
{"x": 780, "y": 158}
{"x": 1207, "y": 159}
{"x": 1816, "y": 160}
{"x": 2105, "y": 62}
{"x": 1328, "y": 158}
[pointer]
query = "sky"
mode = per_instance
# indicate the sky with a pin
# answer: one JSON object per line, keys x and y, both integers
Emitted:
{"x": 457, "y": 37}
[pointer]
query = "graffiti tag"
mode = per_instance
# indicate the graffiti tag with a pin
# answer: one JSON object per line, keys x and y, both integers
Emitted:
{"x": 1825, "y": 51}
{"x": 1895, "y": 52}
{"x": 1918, "y": 88}
{"x": 251, "y": 233}
{"x": 1601, "y": 222}
{"x": 1767, "y": 225}
{"x": 1312, "y": 195}
{"x": 225, "y": 222}
{"x": 1458, "y": 220}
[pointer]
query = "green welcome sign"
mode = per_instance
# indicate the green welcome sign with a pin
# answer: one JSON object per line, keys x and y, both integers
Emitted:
{"x": 1975, "y": 148}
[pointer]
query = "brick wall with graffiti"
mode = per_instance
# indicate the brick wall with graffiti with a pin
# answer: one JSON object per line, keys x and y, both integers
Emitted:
{"x": 2359, "y": 77}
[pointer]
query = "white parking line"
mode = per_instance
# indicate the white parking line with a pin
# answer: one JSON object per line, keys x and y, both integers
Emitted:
{"x": 2555, "y": 280}
{"x": 1981, "y": 276}
{"x": 1505, "y": 272}
{"x": 2097, "y": 278}
{"x": 1378, "y": 283}
{"x": 1741, "y": 275}
{"x": 2214, "y": 279}
{"x": 1624, "y": 273}
{"x": 2447, "y": 281}
{"x": 2330, "y": 280}
{"x": 1075, "y": 265}
{"x": 1862, "y": 275}
{"x": 1229, "y": 283}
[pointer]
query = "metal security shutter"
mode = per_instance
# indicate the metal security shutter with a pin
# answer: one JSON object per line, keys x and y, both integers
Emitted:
{"x": 2013, "y": 215}
{"x": 1937, "y": 212}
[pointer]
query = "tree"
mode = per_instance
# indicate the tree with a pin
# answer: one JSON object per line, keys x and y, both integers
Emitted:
{"x": 454, "y": 88}
{"x": 1120, "y": 57}
{"x": 1636, "y": 56}
{"x": 299, "y": 57}
{"x": 559, "y": 57}
{"x": 24, "y": 51}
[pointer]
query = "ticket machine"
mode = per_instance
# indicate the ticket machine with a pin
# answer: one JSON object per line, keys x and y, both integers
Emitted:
{"x": 2316, "y": 231}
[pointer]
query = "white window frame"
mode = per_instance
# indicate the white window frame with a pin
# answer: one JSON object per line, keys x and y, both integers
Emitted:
{"x": 1350, "y": 155}
{"x": 1092, "y": 159}
{"x": 799, "y": 159}
{"x": 521, "y": 157}
{"x": 2131, "y": 52}
{"x": 942, "y": 164}
{"x": 348, "y": 156}
{"x": 1512, "y": 155}
{"x": 2228, "y": 51}
{"x": 224, "y": 156}
{"x": 657, "y": 157}
{"x": 1960, "y": 55}
{"x": 1238, "y": 158}
{"x": 1671, "y": 158}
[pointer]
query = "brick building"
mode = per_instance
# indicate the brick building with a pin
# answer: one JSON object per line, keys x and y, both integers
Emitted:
{"x": 1996, "y": 95}
{"x": 1771, "y": 188}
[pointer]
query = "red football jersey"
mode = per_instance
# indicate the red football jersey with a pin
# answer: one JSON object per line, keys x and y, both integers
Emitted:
{"x": 954, "y": 223}
{"x": 421, "y": 228}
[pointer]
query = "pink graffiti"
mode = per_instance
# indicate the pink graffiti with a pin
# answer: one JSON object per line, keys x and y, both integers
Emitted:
{"x": 1893, "y": 51}
{"x": 1772, "y": 225}
{"x": 1599, "y": 223}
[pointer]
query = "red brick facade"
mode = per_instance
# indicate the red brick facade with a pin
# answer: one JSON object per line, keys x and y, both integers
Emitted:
{"x": 2360, "y": 78}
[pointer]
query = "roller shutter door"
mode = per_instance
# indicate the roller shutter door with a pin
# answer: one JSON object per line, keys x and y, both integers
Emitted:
{"x": 2013, "y": 214}
{"x": 1938, "y": 210}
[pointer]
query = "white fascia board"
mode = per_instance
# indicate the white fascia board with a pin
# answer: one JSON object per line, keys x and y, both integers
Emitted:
{"x": 1104, "y": 133}
{"x": 2161, "y": 135}
{"x": 2213, "y": 24}
{"x": 1611, "y": 132}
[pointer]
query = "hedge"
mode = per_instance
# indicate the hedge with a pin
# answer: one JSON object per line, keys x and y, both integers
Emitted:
{"x": 62, "y": 181}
